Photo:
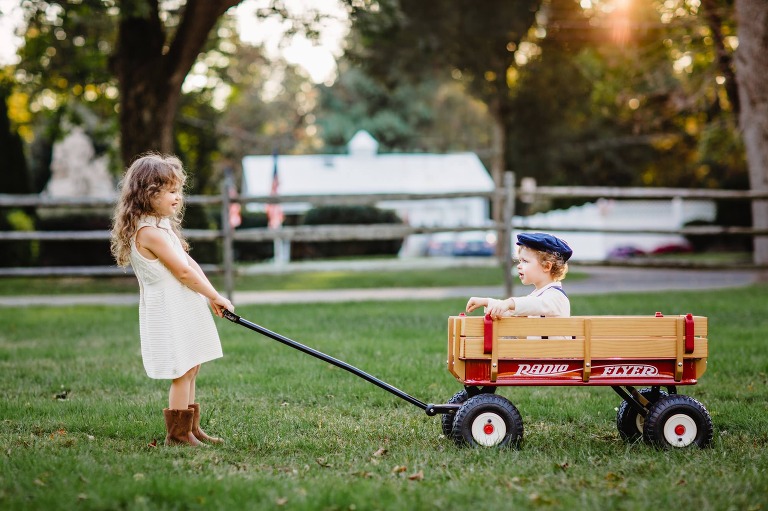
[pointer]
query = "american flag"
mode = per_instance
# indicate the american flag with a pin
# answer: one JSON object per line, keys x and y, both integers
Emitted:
{"x": 275, "y": 214}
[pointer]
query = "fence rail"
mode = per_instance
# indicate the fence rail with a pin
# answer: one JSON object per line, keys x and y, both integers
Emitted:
{"x": 368, "y": 232}
{"x": 505, "y": 196}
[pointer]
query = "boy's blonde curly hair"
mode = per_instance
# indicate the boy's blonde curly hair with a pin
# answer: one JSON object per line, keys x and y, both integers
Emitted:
{"x": 559, "y": 267}
{"x": 148, "y": 175}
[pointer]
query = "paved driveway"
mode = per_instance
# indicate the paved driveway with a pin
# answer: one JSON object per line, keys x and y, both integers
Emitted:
{"x": 599, "y": 280}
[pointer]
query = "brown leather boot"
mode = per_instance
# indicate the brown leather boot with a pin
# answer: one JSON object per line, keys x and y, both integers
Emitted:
{"x": 199, "y": 433}
{"x": 178, "y": 424}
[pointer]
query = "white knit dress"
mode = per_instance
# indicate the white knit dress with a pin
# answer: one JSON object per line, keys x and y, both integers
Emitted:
{"x": 176, "y": 324}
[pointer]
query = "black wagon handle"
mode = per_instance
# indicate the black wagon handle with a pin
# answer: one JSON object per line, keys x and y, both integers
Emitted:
{"x": 430, "y": 409}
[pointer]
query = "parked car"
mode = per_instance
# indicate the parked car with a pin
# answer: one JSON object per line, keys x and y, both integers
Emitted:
{"x": 673, "y": 248}
{"x": 441, "y": 244}
{"x": 625, "y": 252}
{"x": 475, "y": 243}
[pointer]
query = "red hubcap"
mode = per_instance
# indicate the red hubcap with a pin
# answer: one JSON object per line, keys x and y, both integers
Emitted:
{"x": 680, "y": 429}
{"x": 488, "y": 429}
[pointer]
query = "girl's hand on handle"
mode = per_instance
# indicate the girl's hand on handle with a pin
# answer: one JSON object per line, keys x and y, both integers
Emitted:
{"x": 475, "y": 303}
{"x": 219, "y": 304}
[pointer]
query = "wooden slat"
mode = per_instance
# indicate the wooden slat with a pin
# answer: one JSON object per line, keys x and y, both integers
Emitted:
{"x": 647, "y": 349}
{"x": 526, "y": 326}
{"x": 701, "y": 366}
{"x": 450, "y": 359}
{"x": 644, "y": 348}
{"x": 458, "y": 363}
{"x": 495, "y": 354}
{"x": 526, "y": 348}
{"x": 642, "y": 325}
{"x": 587, "y": 349}
{"x": 602, "y": 326}
{"x": 623, "y": 340}
{"x": 618, "y": 326}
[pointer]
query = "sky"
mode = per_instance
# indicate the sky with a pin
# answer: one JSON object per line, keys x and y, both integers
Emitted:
{"x": 10, "y": 17}
{"x": 318, "y": 60}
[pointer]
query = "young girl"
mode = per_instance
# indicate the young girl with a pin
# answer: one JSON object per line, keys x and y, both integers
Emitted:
{"x": 177, "y": 331}
{"x": 543, "y": 262}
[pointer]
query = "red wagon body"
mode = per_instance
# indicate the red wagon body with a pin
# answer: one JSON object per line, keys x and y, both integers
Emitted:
{"x": 617, "y": 351}
{"x": 580, "y": 350}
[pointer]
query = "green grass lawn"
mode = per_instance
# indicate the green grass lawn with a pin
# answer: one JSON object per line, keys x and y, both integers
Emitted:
{"x": 302, "y": 434}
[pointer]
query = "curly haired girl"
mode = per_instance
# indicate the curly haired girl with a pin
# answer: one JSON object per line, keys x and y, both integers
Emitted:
{"x": 177, "y": 331}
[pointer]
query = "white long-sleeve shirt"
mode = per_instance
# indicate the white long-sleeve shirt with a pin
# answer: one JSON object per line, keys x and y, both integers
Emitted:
{"x": 550, "y": 301}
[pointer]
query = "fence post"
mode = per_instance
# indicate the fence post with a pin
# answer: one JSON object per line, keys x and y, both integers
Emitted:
{"x": 509, "y": 213}
{"x": 228, "y": 258}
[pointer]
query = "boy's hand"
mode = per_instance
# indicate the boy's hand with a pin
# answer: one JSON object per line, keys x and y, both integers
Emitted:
{"x": 475, "y": 303}
{"x": 498, "y": 310}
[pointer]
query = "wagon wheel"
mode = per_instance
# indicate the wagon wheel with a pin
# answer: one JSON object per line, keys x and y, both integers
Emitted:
{"x": 487, "y": 420}
{"x": 678, "y": 421}
{"x": 629, "y": 422}
{"x": 457, "y": 399}
{"x": 447, "y": 419}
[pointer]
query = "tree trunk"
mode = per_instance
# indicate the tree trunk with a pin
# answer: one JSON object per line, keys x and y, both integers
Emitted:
{"x": 724, "y": 61}
{"x": 498, "y": 162}
{"x": 150, "y": 70}
{"x": 751, "y": 70}
{"x": 144, "y": 87}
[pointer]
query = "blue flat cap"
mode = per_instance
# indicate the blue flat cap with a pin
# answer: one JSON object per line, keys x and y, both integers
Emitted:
{"x": 546, "y": 243}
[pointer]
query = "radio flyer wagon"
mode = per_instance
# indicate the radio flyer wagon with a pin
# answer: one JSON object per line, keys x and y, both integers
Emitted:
{"x": 621, "y": 352}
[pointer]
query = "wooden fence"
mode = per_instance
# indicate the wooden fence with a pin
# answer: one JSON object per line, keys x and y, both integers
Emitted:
{"x": 503, "y": 198}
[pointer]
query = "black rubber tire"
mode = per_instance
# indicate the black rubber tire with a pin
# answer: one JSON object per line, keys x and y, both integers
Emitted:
{"x": 446, "y": 421}
{"x": 673, "y": 412}
{"x": 488, "y": 410}
{"x": 630, "y": 423}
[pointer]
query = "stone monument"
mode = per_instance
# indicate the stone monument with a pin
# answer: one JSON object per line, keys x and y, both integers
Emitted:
{"x": 76, "y": 171}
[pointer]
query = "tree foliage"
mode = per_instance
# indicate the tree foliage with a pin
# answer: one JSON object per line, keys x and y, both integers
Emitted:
{"x": 570, "y": 91}
{"x": 65, "y": 55}
{"x": 587, "y": 92}
{"x": 270, "y": 108}
{"x": 637, "y": 106}
{"x": 477, "y": 43}
{"x": 151, "y": 61}
{"x": 14, "y": 177}
{"x": 120, "y": 69}
{"x": 431, "y": 115}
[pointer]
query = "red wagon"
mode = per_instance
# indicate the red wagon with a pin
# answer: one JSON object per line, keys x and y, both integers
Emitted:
{"x": 621, "y": 352}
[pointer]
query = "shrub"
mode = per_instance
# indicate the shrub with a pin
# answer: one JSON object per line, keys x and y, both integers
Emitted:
{"x": 348, "y": 215}
{"x": 717, "y": 242}
{"x": 17, "y": 253}
{"x": 253, "y": 250}
{"x": 75, "y": 252}
{"x": 197, "y": 217}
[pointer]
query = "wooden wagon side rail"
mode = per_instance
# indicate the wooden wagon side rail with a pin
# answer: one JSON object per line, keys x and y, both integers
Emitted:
{"x": 678, "y": 341}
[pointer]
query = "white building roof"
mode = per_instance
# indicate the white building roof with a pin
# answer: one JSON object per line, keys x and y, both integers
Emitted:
{"x": 363, "y": 171}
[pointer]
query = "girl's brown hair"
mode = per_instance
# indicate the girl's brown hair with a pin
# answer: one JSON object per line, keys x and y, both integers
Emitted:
{"x": 148, "y": 175}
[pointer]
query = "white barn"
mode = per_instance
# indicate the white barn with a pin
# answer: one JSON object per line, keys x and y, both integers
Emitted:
{"x": 364, "y": 171}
